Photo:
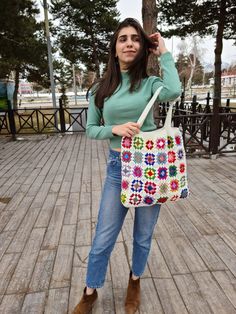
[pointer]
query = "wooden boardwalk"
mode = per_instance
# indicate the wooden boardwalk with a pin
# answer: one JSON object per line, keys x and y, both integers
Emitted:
{"x": 49, "y": 198}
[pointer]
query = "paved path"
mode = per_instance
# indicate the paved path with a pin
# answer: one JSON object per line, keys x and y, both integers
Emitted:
{"x": 49, "y": 197}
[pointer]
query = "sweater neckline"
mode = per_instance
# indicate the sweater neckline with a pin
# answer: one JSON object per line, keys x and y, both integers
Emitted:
{"x": 125, "y": 75}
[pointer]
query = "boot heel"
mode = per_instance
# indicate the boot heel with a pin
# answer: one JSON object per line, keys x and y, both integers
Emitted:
{"x": 132, "y": 301}
{"x": 86, "y": 303}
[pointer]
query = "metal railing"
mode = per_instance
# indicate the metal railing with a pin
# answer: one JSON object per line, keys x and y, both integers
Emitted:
{"x": 196, "y": 121}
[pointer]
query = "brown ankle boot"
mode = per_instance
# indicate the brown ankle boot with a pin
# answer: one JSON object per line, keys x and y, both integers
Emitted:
{"x": 132, "y": 300}
{"x": 86, "y": 303}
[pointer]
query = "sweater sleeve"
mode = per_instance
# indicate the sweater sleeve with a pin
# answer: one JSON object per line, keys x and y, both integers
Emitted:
{"x": 94, "y": 129}
{"x": 170, "y": 81}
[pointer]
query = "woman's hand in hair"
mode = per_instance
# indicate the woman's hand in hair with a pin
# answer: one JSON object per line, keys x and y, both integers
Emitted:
{"x": 128, "y": 129}
{"x": 160, "y": 44}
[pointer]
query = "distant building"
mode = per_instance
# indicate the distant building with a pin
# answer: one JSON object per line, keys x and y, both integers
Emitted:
{"x": 25, "y": 88}
{"x": 227, "y": 80}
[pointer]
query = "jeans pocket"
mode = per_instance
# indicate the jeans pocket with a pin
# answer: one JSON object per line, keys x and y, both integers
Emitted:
{"x": 114, "y": 166}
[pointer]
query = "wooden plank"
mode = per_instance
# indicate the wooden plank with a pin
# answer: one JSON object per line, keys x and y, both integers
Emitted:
{"x": 171, "y": 254}
{"x": 62, "y": 268}
{"x": 191, "y": 232}
{"x": 46, "y": 211}
{"x": 228, "y": 283}
{"x": 190, "y": 255}
{"x": 34, "y": 303}
{"x": 230, "y": 239}
{"x": 84, "y": 211}
{"x": 5, "y": 239}
{"x": 22, "y": 274}
{"x": 157, "y": 263}
{"x": 150, "y": 302}
{"x": 72, "y": 209}
{"x": 216, "y": 299}
{"x": 11, "y": 304}
{"x": 65, "y": 187}
{"x": 120, "y": 276}
{"x": 224, "y": 252}
{"x": 41, "y": 195}
{"x": 52, "y": 236}
{"x": 57, "y": 302}
{"x": 42, "y": 273}
{"x": 218, "y": 224}
{"x": 171, "y": 223}
{"x": 7, "y": 267}
{"x": 15, "y": 201}
{"x": 5, "y": 216}
{"x": 96, "y": 184}
{"x": 191, "y": 294}
{"x": 23, "y": 232}
{"x": 19, "y": 214}
{"x": 81, "y": 256}
{"x": 169, "y": 296}
{"x": 76, "y": 181}
{"x": 68, "y": 235}
{"x": 83, "y": 235}
{"x": 35, "y": 187}
{"x": 209, "y": 256}
{"x": 196, "y": 218}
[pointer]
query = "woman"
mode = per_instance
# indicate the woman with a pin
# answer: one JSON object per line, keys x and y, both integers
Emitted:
{"x": 119, "y": 98}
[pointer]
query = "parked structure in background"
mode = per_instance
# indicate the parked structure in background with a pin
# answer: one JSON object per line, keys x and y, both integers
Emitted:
{"x": 228, "y": 80}
{"x": 25, "y": 88}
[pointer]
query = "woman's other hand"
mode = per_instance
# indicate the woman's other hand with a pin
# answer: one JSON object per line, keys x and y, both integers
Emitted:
{"x": 160, "y": 44}
{"x": 128, "y": 129}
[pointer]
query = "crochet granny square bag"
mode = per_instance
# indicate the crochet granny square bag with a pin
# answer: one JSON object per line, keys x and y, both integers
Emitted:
{"x": 153, "y": 164}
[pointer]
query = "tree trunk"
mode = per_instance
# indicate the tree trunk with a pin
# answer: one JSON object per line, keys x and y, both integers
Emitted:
{"x": 95, "y": 52}
{"x": 193, "y": 65}
{"x": 17, "y": 80}
{"x": 149, "y": 16}
{"x": 215, "y": 127}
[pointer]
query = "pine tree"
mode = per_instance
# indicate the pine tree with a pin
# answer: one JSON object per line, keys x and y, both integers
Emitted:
{"x": 203, "y": 17}
{"x": 85, "y": 30}
{"x": 22, "y": 46}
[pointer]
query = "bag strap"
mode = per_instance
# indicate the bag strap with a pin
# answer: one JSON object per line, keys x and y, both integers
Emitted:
{"x": 145, "y": 112}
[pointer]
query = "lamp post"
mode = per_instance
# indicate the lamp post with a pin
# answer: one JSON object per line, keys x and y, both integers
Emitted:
{"x": 74, "y": 83}
{"x": 45, "y": 6}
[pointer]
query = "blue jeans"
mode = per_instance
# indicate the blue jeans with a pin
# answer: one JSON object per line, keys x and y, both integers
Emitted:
{"x": 110, "y": 220}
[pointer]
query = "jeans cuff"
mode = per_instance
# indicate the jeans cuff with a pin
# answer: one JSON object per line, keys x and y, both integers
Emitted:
{"x": 94, "y": 286}
{"x": 137, "y": 275}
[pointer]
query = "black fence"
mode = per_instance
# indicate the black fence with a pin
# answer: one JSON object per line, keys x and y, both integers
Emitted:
{"x": 204, "y": 132}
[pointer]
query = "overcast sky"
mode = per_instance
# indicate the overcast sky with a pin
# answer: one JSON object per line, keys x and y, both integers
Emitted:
{"x": 132, "y": 8}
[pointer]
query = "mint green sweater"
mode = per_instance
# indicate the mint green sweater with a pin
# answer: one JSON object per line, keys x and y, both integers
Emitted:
{"x": 123, "y": 106}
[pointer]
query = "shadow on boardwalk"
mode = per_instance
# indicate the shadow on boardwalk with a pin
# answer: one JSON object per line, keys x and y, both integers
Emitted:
{"x": 49, "y": 197}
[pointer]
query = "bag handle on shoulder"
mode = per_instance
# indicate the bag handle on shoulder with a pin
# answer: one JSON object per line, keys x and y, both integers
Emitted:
{"x": 149, "y": 106}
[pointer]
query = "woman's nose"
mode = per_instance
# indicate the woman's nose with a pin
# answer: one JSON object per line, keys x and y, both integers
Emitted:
{"x": 129, "y": 42}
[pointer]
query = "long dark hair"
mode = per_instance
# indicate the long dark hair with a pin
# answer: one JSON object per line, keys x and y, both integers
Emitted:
{"x": 137, "y": 70}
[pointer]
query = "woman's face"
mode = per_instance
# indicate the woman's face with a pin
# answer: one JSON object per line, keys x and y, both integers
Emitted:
{"x": 127, "y": 46}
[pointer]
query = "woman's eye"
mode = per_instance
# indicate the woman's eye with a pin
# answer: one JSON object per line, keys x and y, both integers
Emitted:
{"x": 122, "y": 39}
{"x": 136, "y": 38}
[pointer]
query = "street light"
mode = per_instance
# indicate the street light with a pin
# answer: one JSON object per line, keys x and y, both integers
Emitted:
{"x": 45, "y": 6}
